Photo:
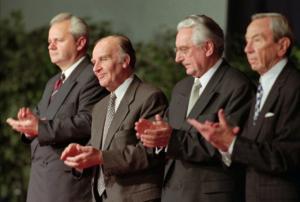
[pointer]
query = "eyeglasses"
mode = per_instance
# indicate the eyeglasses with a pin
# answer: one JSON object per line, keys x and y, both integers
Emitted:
{"x": 183, "y": 50}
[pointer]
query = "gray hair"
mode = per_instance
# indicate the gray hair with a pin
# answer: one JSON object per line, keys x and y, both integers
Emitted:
{"x": 78, "y": 26}
{"x": 279, "y": 26}
{"x": 204, "y": 28}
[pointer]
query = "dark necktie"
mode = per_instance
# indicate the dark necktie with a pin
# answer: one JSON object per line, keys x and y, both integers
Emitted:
{"x": 259, "y": 95}
{"x": 109, "y": 117}
{"x": 58, "y": 84}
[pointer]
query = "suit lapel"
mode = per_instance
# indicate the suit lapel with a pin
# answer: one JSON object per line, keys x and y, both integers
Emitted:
{"x": 269, "y": 103}
{"x": 99, "y": 116}
{"x": 58, "y": 99}
{"x": 208, "y": 93}
{"x": 43, "y": 106}
{"x": 122, "y": 111}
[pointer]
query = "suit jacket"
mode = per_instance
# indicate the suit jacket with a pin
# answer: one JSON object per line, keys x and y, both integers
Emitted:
{"x": 66, "y": 119}
{"x": 195, "y": 171}
{"x": 130, "y": 172}
{"x": 271, "y": 148}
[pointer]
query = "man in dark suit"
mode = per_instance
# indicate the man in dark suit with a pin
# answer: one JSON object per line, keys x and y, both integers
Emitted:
{"x": 62, "y": 116}
{"x": 269, "y": 146}
{"x": 124, "y": 169}
{"x": 193, "y": 171}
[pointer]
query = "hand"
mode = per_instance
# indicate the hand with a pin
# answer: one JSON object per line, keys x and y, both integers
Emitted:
{"x": 220, "y": 135}
{"x": 27, "y": 122}
{"x": 157, "y": 134}
{"x": 80, "y": 157}
{"x": 142, "y": 125}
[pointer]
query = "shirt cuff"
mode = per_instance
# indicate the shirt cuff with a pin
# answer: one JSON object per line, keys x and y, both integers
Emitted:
{"x": 226, "y": 156}
{"x": 160, "y": 149}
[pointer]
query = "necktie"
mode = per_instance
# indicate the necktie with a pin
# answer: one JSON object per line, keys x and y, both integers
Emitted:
{"x": 109, "y": 117}
{"x": 259, "y": 95}
{"x": 195, "y": 93}
{"x": 58, "y": 84}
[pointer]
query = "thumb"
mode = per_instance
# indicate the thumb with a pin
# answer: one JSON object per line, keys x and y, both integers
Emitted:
{"x": 222, "y": 119}
{"x": 158, "y": 117}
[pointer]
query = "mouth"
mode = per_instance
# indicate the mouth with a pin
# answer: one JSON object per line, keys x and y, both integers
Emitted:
{"x": 251, "y": 60}
{"x": 101, "y": 75}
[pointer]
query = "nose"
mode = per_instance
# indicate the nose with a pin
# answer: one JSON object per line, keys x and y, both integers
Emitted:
{"x": 96, "y": 67}
{"x": 248, "y": 48}
{"x": 178, "y": 57}
{"x": 51, "y": 46}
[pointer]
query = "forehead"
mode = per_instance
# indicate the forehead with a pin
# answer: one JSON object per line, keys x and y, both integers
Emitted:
{"x": 60, "y": 28}
{"x": 260, "y": 26}
{"x": 184, "y": 37}
{"x": 106, "y": 47}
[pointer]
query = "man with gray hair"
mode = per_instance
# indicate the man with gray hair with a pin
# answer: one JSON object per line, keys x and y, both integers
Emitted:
{"x": 193, "y": 171}
{"x": 62, "y": 115}
{"x": 269, "y": 145}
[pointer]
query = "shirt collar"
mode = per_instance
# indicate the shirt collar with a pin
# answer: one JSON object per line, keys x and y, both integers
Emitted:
{"x": 268, "y": 78}
{"x": 121, "y": 90}
{"x": 69, "y": 70}
{"x": 204, "y": 79}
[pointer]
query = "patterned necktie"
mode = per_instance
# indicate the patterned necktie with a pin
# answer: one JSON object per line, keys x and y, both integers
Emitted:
{"x": 195, "y": 93}
{"x": 109, "y": 117}
{"x": 259, "y": 95}
{"x": 58, "y": 84}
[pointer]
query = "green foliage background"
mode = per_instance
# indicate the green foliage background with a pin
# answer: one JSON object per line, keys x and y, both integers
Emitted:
{"x": 25, "y": 68}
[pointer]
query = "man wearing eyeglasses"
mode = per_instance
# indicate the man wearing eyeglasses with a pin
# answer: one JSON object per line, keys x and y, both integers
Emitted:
{"x": 193, "y": 171}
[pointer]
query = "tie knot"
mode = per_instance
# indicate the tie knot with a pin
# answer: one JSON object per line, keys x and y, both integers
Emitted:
{"x": 62, "y": 77}
{"x": 197, "y": 82}
{"x": 259, "y": 88}
{"x": 113, "y": 96}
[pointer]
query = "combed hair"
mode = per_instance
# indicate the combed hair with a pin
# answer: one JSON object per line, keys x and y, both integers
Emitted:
{"x": 204, "y": 28}
{"x": 127, "y": 48}
{"x": 280, "y": 27}
{"x": 78, "y": 26}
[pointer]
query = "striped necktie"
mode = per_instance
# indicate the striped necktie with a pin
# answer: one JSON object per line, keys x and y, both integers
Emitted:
{"x": 259, "y": 95}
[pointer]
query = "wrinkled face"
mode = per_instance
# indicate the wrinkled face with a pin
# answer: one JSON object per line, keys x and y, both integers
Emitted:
{"x": 261, "y": 50}
{"x": 62, "y": 45}
{"x": 108, "y": 64}
{"x": 191, "y": 56}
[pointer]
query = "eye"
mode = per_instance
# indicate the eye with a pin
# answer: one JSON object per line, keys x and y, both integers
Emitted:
{"x": 104, "y": 58}
{"x": 182, "y": 49}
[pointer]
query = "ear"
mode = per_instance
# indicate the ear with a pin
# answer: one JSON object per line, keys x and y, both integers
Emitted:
{"x": 125, "y": 61}
{"x": 283, "y": 45}
{"x": 81, "y": 43}
{"x": 209, "y": 48}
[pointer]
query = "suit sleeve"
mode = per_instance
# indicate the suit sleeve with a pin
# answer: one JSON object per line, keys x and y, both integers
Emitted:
{"x": 279, "y": 151}
{"x": 74, "y": 125}
{"x": 133, "y": 156}
{"x": 188, "y": 145}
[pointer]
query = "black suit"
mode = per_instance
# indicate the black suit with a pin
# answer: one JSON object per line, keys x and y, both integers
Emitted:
{"x": 195, "y": 171}
{"x": 271, "y": 148}
{"x": 64, "y": 120}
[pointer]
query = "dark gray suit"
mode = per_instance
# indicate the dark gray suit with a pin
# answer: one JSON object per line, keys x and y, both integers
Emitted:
{"x": 67, "y": 119}
{"x": 130, "y": 172}
{"x": 271, "y": 148}
{"x": 195, "y": 171}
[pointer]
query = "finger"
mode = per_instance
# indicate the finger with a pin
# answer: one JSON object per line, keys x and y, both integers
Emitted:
{"x": 66, "y": 151}
{"x": 195, "y": 124}
{"x": 71, "y": 164}
{"x": 158, "y": 117}
{"x": 236, "y": 130}
{"x": 222, "y": 119}
{"x": 12, "y": 122}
